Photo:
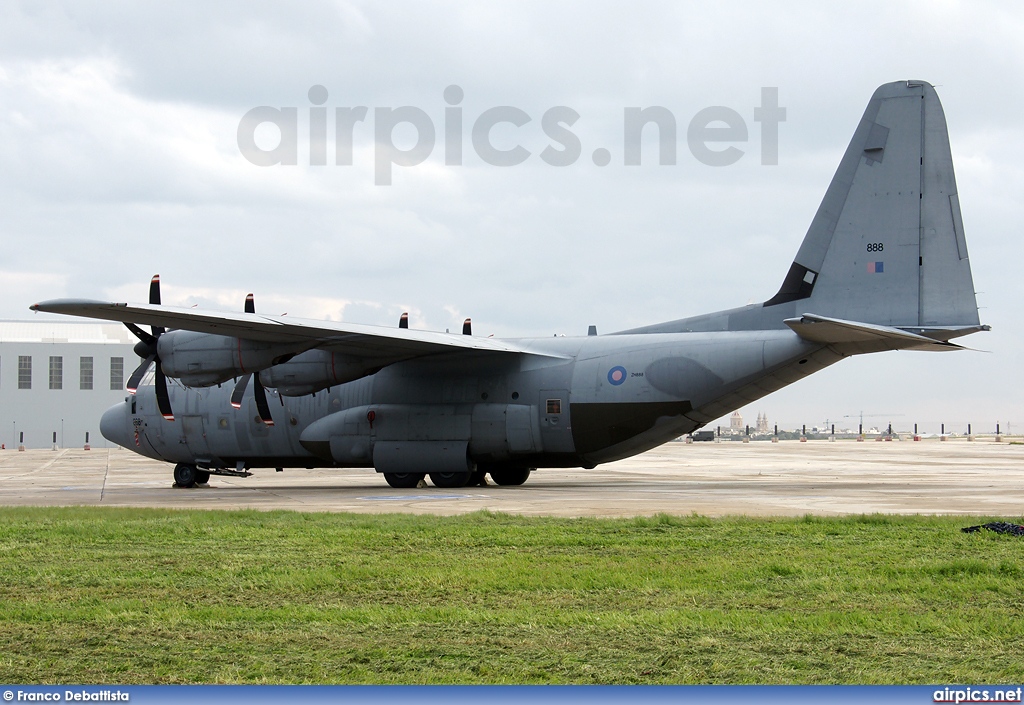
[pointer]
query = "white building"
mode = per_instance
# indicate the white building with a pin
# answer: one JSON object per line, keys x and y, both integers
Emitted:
{"x": 736, "y": 422}
{"x": 59, "y": 377}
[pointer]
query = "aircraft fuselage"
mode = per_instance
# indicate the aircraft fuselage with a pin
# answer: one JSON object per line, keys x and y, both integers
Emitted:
{"x": 578, "y": 402}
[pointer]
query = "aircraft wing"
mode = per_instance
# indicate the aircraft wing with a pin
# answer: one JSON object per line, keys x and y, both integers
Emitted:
{"x": 347, "y": 338}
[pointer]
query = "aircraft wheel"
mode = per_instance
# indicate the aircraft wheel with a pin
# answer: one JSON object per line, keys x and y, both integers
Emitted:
{"x": 185, "y": 475}
{"x": 404, "y": 480}
{"x": 515, "y": 476}
{"x": 202, "y": 477}
{"x": 450, "y": 479}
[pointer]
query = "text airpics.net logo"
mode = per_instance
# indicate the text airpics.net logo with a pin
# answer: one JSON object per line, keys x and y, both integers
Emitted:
{"x": 712, "y": 134}
{"x": 970, "y": 694}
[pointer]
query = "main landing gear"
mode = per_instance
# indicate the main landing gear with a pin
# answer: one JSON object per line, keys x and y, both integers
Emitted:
{"x": 451, "y": 480}
{"x": 404, "y": 480}
{"x": 515, "y": 476}
{"x": 189, "y": 476}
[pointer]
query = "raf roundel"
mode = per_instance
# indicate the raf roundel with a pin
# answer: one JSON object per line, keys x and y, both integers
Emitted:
{"x": 617, "y": 375}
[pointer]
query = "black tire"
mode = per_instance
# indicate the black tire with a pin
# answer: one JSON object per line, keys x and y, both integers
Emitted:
{"x": 450, "y": 479}
{"x": 185, "y": 475}
{"x": 512, "y": 476}
{"x": 404, "y": 480}
{"x": 202, "y": 477}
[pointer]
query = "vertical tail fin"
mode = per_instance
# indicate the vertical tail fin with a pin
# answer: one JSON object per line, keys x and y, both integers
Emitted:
{"x": 887, "y": 243}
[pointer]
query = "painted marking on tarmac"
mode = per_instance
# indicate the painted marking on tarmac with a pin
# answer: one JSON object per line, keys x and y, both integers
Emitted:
{"x": 413, "y": 497}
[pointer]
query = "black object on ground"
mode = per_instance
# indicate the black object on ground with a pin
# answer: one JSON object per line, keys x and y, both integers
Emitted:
{"x": 1000, "y": 527}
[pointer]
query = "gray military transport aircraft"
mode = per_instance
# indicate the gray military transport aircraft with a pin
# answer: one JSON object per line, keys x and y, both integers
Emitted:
{"x": 883, "y": 267}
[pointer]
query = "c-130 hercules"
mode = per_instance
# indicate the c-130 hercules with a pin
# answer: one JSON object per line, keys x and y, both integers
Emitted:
{"x": 883, "y": 267}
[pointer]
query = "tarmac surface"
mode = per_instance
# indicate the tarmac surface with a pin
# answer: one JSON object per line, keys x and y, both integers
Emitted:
{"x": 789, "y": 478}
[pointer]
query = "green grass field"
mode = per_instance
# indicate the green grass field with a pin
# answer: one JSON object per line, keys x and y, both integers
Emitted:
{"x": 153, "y": 596}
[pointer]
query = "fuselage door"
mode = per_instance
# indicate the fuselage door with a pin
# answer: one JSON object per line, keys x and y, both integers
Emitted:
{"x": 195, "y": 436}
{"x": 555, "y": 428}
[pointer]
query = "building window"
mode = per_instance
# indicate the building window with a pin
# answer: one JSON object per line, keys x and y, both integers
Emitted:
{"x": 24, "y": 372}
{"x": 56, "y": 372}
{"x": 117, "y": 373}
{"x": 85, "y": 373}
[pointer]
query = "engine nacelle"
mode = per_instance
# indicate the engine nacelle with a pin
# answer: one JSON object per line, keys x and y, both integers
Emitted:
{"x": 203, "y": 360}
{"x": 314, "y": 370}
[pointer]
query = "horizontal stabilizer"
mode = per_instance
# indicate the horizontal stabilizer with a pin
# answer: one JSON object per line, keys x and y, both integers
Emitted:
{"x": 862, "y": 337}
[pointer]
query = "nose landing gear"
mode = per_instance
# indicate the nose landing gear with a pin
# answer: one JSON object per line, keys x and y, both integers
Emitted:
{"x": 189, "y": 475}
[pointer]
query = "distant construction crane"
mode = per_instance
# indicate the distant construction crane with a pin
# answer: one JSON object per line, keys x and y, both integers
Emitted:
{"x": 861, "y": 416}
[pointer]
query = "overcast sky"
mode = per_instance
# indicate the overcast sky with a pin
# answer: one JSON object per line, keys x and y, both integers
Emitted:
{"x": 119, "y": 153}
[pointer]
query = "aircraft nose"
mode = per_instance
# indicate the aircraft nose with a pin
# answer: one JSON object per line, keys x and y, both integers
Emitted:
{"x": 114, "y": 425}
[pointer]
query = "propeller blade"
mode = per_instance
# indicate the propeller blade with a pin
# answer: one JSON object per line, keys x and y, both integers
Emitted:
{"x": 403, "y": 322}
{"x": 261, "y": 402}
{"x": 239, "y": 391}
{"x": 154, "y": 298}
{"x": 467, "y": 327}
{"x": 139, "y": 373}
{"x": 163, "y": 401}
{"x": 140, "y": 334}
